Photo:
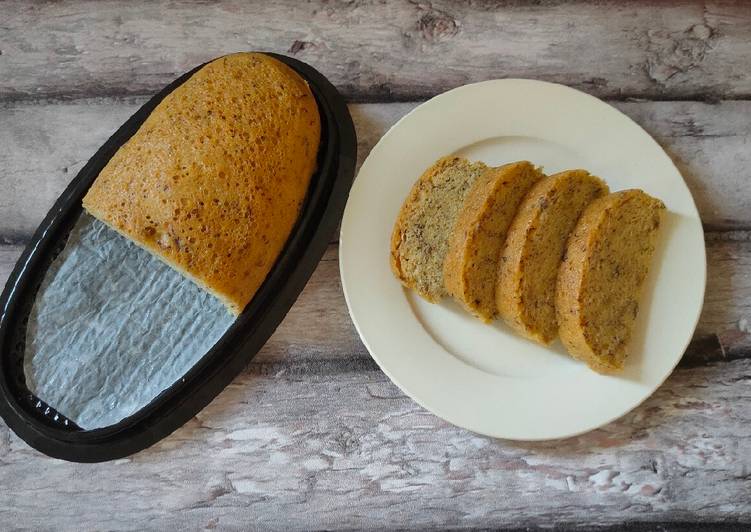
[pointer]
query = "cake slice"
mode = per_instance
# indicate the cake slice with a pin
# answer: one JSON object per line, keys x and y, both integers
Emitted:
{"x": 419, "y": 241}
{"x": 532, "y": 253}
{"x": 471, "y": 264}
{"x": 601, "y": 277}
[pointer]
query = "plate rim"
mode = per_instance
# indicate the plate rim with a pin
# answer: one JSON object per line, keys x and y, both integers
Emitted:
{"x": 450, "y": 417}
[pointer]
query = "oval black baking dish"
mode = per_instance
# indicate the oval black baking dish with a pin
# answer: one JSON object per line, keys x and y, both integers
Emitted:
{"x": 51, "y": 433}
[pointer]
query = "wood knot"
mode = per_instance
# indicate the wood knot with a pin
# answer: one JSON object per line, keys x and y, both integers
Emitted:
{"x": 299, "y": 46}
{"x": 435, "y": 26}
{"x": 671, "y": 54}
{"x": 345, "y": 442}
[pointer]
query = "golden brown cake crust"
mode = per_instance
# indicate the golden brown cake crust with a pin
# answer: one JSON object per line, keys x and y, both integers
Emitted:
{"x": 599, "y": 283}
{"x": 471, "y": 264}
{"x": 213, "y": 181}
{"x": 533, "y": 251}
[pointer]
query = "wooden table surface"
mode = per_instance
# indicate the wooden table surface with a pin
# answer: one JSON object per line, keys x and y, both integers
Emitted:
{"x": 312, "y": 434}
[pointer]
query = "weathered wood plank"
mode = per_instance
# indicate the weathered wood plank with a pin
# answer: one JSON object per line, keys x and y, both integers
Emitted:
{"x": 727, "y": 302}
{"x": 287, "y": 453}
{"x": 403, "y": 50}
{"x": 42, "y": 147}
{"x": 8, "y": 257}
{"x": 44, "y": 144}
{"x": 711, "y": 146}
{"x": 332, "y": 346}
{"x": 312, "y": 435}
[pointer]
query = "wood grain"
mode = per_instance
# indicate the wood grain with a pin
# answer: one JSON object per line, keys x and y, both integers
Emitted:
{"x": 289, "y": 453}
{"x": 46, "y": 143}
{"x": 312, "y": 434}
{"x": 374, "y": 50}
{"x": 333, "y": 346}
{"x": 728, "y": 319}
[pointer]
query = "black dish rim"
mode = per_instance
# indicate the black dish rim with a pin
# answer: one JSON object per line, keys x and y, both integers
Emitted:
{"x": 180, "y": 402}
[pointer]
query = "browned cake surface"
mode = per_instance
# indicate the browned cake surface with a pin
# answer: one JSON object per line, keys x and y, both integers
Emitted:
{"x": 600, "y": 280}
{"x": 534, "y": 249}
{"x": 213, "y": 181}
{"x": 471, "y": 264}
{"x": 419, "y": 241}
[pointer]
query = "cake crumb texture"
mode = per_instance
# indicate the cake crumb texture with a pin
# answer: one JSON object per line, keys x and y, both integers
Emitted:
{"x": 601, "y": 278}
{"x": 471, "y": 264}
{"x": 533, "y": 251}
{"x": 419, "y": 241}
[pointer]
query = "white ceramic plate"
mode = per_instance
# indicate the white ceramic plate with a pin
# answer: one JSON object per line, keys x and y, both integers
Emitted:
{"x": 483, "y": 377}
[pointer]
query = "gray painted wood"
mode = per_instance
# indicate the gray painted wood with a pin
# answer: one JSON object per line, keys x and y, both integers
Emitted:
{"x": 333, "y": 346}
{"x": 292, "y": 452}
{"x": 312, "y": 434}
{"x": 724, "y": 317}
{"x": 48, "y": 142}
{"x": 403, "y": 50}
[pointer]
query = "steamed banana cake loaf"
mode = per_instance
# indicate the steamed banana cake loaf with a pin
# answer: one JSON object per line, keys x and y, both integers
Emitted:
{"x": 533, "y": 251}
{"x": 419, "y": 241}
{"x": 601, "y": 278}
{"x": 213, "y": 181}
{"x": 471, "y": 264}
